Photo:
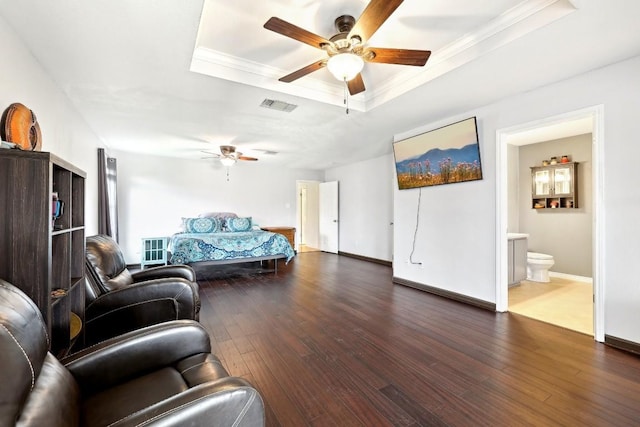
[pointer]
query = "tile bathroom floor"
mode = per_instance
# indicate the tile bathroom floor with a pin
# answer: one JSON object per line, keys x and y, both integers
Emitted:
{"x": 561, "y": 302}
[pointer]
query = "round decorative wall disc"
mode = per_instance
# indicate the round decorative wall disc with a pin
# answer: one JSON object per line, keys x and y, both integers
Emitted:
{"x": 20, "y": 126}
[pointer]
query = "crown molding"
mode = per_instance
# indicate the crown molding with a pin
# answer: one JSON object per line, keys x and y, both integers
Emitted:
{"x": 218, "y": 64}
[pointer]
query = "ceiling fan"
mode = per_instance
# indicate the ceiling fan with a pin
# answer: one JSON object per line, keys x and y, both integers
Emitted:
{"x": 228, "y": 155}
{"x": 347, "y": 51}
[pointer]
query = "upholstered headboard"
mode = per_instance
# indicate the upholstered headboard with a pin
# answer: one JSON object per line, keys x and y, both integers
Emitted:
{"x": 219, "y": 215}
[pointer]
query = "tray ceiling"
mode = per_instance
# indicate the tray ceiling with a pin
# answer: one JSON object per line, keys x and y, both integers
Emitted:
{"x": 233, "y": 45}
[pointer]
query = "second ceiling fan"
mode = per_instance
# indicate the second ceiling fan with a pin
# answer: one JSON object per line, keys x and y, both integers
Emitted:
{"x": 346, "y": 50}
{"x": 228, "y": 155}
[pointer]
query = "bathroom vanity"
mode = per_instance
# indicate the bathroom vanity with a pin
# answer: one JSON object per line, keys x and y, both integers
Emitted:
{"x": 517, "y": 249}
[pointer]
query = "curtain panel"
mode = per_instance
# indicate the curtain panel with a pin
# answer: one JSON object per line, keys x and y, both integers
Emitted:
{"x": 107, "y": 195}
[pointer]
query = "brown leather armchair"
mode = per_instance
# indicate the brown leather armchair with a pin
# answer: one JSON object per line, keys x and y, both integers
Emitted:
{"x": 160, "y": 375}
{"x": 118, "y": 301}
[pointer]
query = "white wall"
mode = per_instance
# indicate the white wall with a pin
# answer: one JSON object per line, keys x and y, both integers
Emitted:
{"x": 64, "y": 131}
{"x": 513, "y": 189}
{"x": 154, "y": 193}
{"x": 366, "y": 207}
{"x": 455, "y": 230}
{"x": 457, "y": 235}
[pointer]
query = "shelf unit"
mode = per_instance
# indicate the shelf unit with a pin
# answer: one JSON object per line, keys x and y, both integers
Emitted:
{"x": 554, "y": 186}
{"x": 43, "y": 257}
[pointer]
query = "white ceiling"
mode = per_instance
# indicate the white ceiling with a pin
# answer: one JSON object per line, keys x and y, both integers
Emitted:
{"x": 126, "y": 65}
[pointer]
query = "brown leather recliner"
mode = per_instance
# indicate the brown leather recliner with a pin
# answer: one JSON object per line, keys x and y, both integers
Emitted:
{"x": 160, "y": 375}
{"x": 118, "y": 301}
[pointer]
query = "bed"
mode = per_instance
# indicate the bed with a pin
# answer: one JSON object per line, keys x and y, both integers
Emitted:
{"x": 225, "y": 238}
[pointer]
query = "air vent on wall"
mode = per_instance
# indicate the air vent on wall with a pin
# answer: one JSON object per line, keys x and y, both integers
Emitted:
{"x": 272, "y": 104}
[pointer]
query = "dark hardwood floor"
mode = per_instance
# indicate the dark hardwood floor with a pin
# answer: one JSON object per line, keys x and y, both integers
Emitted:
{"x": 330, "y": 341}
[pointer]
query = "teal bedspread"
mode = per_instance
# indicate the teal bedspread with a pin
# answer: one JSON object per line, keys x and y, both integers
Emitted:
{"x": 186, "y": 248}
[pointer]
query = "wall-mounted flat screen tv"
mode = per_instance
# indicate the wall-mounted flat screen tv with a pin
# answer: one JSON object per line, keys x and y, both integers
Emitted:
{"x": 441, "y": 156}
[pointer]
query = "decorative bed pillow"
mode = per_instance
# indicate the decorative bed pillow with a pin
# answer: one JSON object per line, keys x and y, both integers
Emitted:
{"x": 238, "y": 224}
{"x": 202, "y": 225}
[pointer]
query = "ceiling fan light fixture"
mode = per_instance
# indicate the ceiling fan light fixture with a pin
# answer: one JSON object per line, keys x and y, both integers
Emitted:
{"x": 227, "y": 161}
{"x": 345, "y": 66}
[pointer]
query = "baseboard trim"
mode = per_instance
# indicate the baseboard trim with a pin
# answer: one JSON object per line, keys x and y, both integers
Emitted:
{"x": 446, "y": 294}
{"x": 571, "y": 277}
{"x": 621, "y": 344}
{"x": 366, "y": 258}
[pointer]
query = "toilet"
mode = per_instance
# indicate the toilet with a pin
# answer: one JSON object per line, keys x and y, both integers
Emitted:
{"x": 538, "y": 266}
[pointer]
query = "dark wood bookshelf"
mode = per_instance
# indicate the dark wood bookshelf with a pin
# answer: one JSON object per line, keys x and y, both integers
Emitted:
{"x": 42, "y": 256}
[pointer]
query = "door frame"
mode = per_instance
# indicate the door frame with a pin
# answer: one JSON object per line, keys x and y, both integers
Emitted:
{"x": 502, "y": 289}
{"x": 303, "y": 224}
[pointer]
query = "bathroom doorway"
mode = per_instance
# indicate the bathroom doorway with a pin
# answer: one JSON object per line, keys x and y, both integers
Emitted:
{"x": 560, "y": 231}
{"x": 535, "y": 299}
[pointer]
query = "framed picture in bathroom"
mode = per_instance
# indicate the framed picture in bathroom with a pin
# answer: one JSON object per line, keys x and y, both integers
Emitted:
{"x": 445, "y": 155}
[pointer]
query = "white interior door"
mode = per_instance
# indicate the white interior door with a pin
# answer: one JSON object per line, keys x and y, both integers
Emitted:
{"x": 328, "y": 207}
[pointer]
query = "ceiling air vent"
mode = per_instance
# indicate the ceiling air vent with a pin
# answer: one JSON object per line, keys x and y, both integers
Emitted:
{"x": 272, "y": 104}
{"x": 267, "y": 152}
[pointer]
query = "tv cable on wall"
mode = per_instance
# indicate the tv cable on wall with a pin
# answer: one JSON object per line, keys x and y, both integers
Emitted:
{"x": 415, "y": 233}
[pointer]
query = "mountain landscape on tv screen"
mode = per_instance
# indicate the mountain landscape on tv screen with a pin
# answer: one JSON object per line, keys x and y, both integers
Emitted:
{"x": 466, "y": 154}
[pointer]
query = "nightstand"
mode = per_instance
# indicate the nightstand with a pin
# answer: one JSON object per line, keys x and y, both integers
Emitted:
{"x": 288, "y": 232}
{"x": 154, "y": 251}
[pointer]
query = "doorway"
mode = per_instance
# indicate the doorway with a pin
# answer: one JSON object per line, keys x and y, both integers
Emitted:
{"x": 307, "y": 233}
{"x": 503, "y": 137}
{"x": 559, "y": 224}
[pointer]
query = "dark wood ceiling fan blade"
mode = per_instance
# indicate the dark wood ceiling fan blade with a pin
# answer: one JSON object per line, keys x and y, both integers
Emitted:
{"x": 251, "y": 159}
{"x": 286, "y": 29}
{"x": 356, "y": 85}
{"x": 376, "y": 12}
{"x": 398, "y": 56}
{"x": 303, "y": 71}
